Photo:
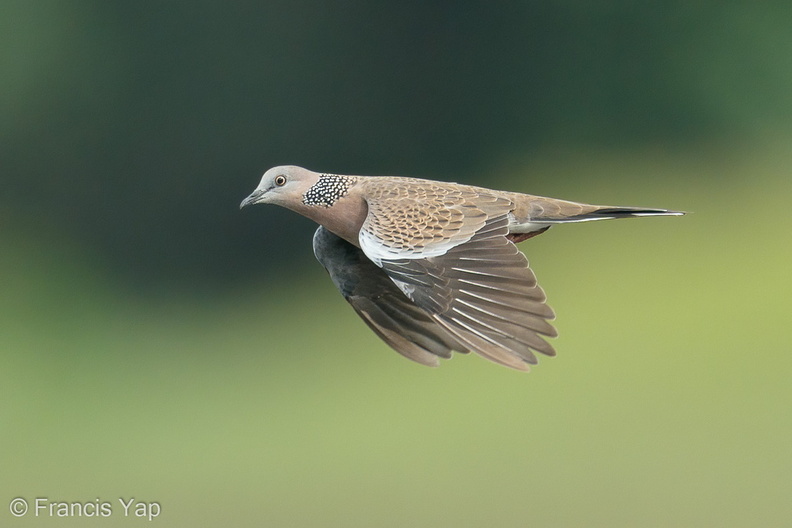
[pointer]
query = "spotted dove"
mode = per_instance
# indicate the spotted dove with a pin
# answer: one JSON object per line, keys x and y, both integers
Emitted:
{"x": 432, "y": 267}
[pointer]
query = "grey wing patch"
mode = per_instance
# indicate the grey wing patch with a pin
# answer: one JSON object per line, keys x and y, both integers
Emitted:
{"x": 484, "y": 293}
{"x": 386, "y": 310}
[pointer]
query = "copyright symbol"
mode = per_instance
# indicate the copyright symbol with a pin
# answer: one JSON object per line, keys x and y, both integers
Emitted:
{"x": 18, "y": 507}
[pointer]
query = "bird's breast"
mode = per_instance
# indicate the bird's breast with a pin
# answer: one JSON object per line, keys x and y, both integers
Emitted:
{"x": 344, "y": 218}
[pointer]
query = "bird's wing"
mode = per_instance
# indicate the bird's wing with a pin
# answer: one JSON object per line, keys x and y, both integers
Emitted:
{"x": 386, "y": 310}
{"x": 446, "y": 249}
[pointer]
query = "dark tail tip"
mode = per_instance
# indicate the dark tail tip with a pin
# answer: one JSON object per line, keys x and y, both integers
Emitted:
{"x": 626, "y": 212}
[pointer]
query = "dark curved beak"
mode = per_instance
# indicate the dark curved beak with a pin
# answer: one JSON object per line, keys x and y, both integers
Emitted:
{"x": 251, "y": 199}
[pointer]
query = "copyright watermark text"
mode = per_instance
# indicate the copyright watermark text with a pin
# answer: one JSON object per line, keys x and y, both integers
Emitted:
{"x": 45, "y": 507}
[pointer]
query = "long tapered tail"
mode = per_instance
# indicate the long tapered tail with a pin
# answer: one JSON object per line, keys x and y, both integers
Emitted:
{"x": 607, "y": 212}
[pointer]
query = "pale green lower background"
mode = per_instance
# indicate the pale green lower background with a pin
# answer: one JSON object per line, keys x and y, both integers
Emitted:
{"x": 668, "y": 404}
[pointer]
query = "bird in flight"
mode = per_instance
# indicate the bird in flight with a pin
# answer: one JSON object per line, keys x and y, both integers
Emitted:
{"x": 433, "y": 267}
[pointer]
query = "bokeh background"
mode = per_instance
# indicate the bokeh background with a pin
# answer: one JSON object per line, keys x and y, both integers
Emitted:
{"x": 158, "y": 343}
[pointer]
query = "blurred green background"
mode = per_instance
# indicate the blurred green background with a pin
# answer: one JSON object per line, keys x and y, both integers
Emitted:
{"x": 158, "y": 344}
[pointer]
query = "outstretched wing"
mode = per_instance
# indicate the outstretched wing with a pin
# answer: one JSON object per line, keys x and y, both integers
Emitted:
{"x": 386, "y": 310}
{"x": 446, "y": 249}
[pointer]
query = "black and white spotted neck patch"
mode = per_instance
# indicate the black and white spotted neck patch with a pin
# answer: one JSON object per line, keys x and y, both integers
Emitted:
{"x": 328, "y": 189}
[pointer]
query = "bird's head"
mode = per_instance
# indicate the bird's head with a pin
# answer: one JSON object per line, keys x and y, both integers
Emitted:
{"x": 282, "y": 186}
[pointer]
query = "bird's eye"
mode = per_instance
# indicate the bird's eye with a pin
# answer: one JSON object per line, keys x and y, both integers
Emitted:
{"x": 280, "y": 180}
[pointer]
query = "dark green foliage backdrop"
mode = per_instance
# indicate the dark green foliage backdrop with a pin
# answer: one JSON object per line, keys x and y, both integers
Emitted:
{"x": 138, "y": 127}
